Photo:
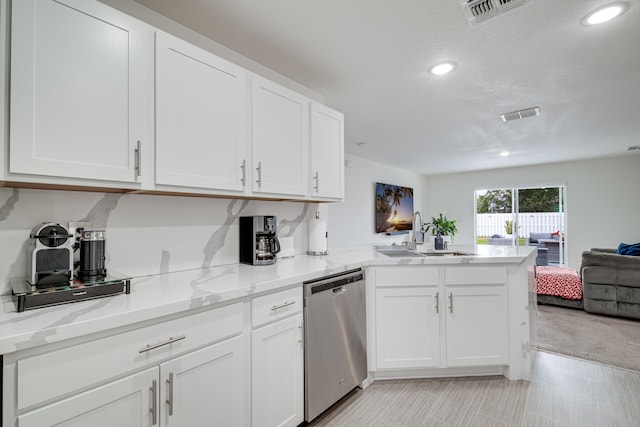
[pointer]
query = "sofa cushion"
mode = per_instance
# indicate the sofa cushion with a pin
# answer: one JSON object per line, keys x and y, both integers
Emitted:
{"x": 598, "y": 291}
{"x": 628, "y": 277}
{"x": 629, "y": 310}
{"x": 607, "y": 259}
{"x": 601, "y": 307}
{"x": 628, "y": 295}
{"x": 534, "y": 237}
{"x": 599, "y": 275}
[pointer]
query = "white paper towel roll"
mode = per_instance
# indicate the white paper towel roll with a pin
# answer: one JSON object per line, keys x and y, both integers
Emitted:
{"x": 317, "y": 237}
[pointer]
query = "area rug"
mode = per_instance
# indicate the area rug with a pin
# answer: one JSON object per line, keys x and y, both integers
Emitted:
{"x": 608, "y": 340}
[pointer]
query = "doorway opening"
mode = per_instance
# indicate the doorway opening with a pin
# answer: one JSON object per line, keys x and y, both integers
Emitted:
{"x": 522, "y": 216}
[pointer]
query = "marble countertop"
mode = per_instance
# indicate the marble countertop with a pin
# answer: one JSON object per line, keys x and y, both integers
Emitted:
{"x": 153, "y": 297}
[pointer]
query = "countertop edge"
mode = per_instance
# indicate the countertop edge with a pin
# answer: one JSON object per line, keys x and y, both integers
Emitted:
{"x": 68, "y": 321}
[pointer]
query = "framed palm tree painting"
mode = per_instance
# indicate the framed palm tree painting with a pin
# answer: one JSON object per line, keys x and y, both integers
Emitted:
{"x": 394, "y": 208}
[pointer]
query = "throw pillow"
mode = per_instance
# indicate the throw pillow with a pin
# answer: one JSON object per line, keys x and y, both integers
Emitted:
{"x": 624, "y": 249}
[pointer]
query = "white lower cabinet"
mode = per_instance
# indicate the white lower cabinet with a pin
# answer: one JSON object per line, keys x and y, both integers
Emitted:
{"x": 196, "y": 389}
{"x": 278, "y": 374}
{"x": 428, "y": 317}
{"x": 477, "y": 326}
{"x": 277, "y": 359}
{"x": 206, "y": 387}
{"x": 123, "y": 403}
{"x": 186, "y": 371}
{"x": 408, "y": 327}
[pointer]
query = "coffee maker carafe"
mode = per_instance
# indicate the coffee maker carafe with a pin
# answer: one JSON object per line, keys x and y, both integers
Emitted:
{"x": 258, "y": 241}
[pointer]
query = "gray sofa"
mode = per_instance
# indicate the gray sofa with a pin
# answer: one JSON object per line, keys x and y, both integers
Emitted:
{"x": 611, "y": 283}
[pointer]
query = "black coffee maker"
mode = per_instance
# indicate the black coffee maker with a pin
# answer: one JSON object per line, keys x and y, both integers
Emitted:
{"x": 258, "y": 242}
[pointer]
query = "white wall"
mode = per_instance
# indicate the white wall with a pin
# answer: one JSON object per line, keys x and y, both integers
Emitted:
{"x": 603, "y": 199}
{"x": 144, "y": 234}
{"x": 353, "y": 221}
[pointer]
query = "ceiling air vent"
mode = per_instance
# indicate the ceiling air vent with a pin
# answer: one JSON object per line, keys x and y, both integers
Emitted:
{"x": 520, "y": 114}
{"x": 480, "y": 10}
{"x": 634, "y": 148}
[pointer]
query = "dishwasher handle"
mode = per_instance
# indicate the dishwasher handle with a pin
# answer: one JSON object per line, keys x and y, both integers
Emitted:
{"x": 336, "y": 281}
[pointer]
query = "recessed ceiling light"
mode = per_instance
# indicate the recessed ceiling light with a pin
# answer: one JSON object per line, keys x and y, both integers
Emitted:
{"x": 504, "y": 153}
{"x": 443, "y": 68}
{"x": 605, "y": 13}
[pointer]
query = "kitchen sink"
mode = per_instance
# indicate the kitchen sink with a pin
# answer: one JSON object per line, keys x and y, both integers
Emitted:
{"x": 396, "y": 251}
{"x": 447, "y": 253}
{"x": 401, "y": 254}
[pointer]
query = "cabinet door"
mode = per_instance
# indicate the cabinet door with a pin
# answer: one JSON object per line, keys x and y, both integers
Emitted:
{"x": 278, "y": 374}
{"x": 407, "y": 328}
{"x": 80, "y": 74}
{"x": 200, "y": 117}
{"x": 327, "y": 153}
{"x": 128, "y": 402}
{"x": 206, "y": 387}
{"x": 280, "y": 139}
{"x": 477, "y": 328}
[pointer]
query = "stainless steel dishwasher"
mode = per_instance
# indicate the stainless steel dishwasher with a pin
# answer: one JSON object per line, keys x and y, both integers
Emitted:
{"x": 335, "y": 357}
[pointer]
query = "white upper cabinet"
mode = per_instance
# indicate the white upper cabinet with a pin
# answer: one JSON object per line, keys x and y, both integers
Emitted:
{"x": 80, "y": 82}
{"x": 92, "y": 103}
{"x": 327, "y": 153}
{"x": 280, "y": 139}
{"x": 200, "y": 117}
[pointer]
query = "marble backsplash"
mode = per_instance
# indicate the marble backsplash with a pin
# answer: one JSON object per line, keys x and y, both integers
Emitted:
{"x": 144, "y": 234}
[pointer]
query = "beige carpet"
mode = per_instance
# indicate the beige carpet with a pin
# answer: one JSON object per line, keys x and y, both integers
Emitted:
{"x": 607, "y": 340}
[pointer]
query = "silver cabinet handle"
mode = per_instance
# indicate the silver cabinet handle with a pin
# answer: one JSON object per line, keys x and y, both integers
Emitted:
{"x": 154, "y": 402}
{"x": 244, "y": 172}
{"x": 259, "y": 170}
{"x": 437, "y": 297}
{"x": 317, "y": 182}
{"x": 160, "y": 344}
{"x": 79, "y": 293}
{"x": 170, "y": 398}
{"x": 138, "y": 161}
{"x": 286, "y": 304}
{"x": 301, "y": 339}
{"x": 451, "y": 302}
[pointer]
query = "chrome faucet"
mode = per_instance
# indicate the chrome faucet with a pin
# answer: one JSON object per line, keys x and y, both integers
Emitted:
{"x": 416, "y": 236}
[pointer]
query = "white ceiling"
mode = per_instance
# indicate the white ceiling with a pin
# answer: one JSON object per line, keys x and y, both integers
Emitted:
{"x": 370, "y": 60}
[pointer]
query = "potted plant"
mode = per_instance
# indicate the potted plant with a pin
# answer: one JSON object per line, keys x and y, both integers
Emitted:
{"x": 440, "y": 227}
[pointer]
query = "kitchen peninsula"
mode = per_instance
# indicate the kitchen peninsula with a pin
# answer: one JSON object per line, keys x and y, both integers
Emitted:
{"x": 426, "y": 316}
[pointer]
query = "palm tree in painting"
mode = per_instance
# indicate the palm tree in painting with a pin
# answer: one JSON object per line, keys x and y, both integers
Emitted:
{"x": 407, "y": 192}
{"x": 389, "y": 197}
{"x": 397, "y": 196}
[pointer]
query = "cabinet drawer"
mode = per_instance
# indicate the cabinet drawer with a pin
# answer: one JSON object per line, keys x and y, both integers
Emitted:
{"x": 50, "y": 375}
{"x": 475, "y": 275}
{"x": 407, "y": 276}
{"x": 275, "y": 306}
